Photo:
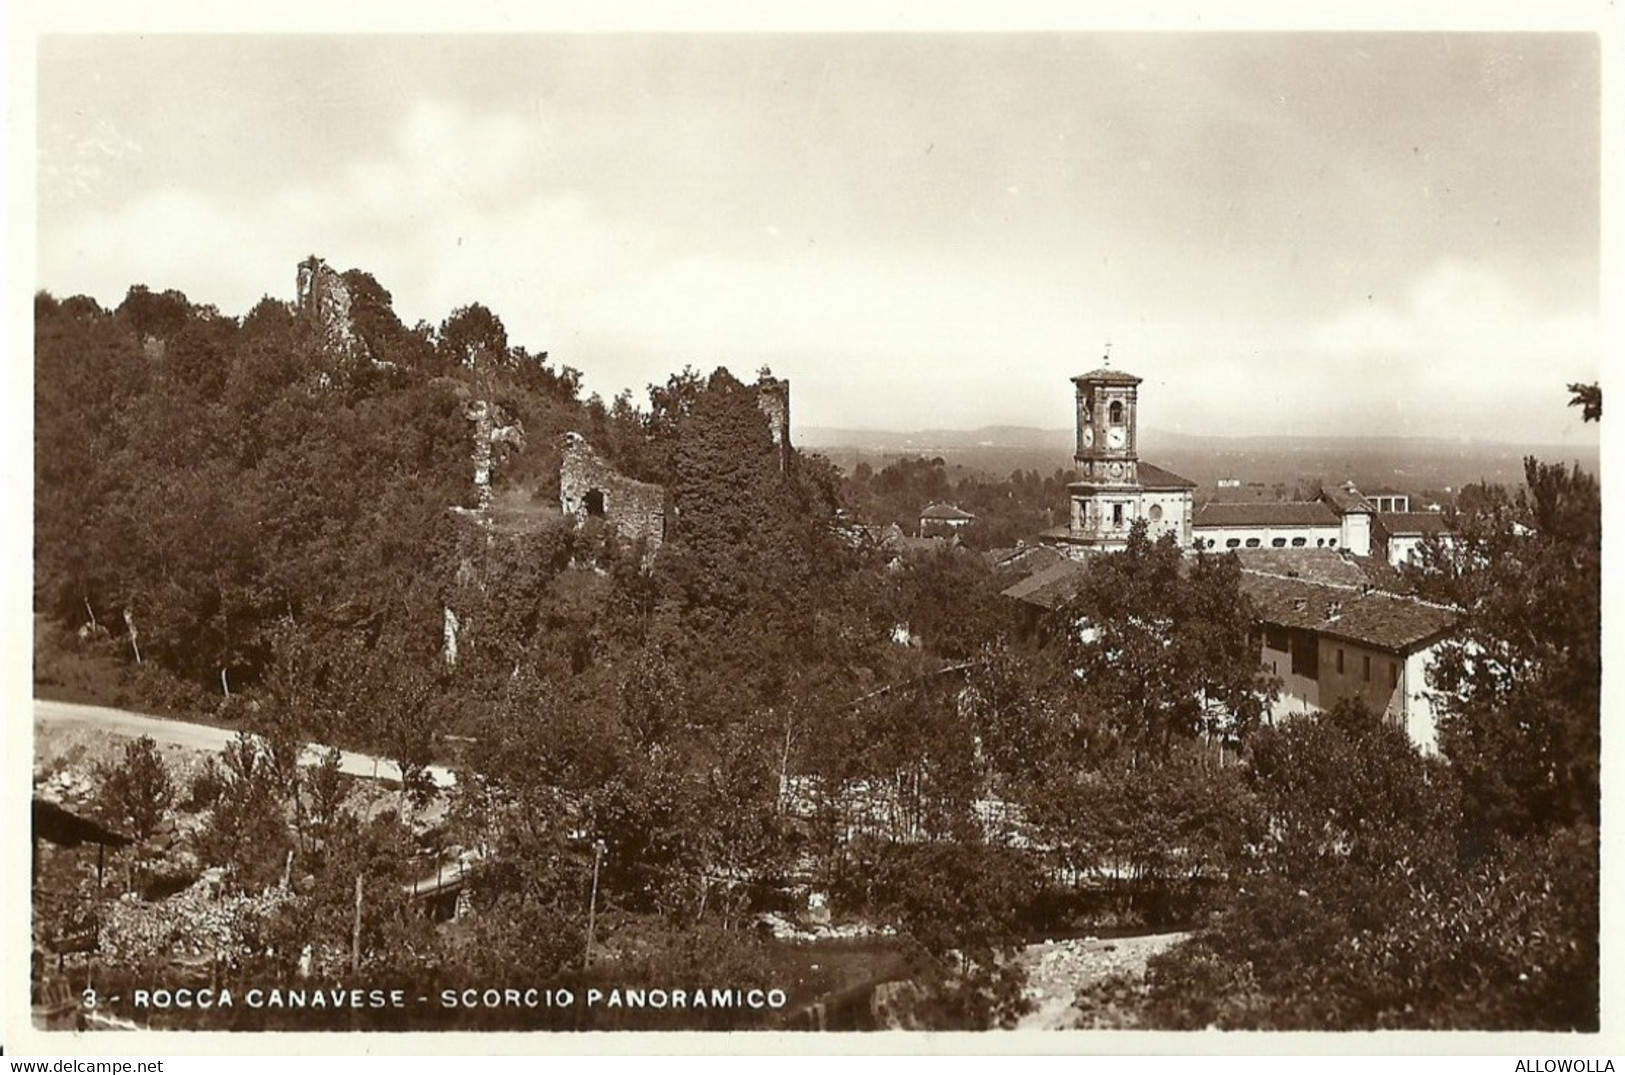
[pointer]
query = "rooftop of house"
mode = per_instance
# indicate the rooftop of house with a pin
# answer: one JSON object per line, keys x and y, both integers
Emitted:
{"x": 1364, "y": 616}
{"x": 1412, "y": 523}
{"x": 1346, "y": 500}
{"x": 1266, "y": 513}
{"x": 946, "y": 513}
{"x": 61, "y": 826}
{"x": 903, "y": 543}
{"x": 1331, "y": 566}
{"x": 1025, "y": 559}
{"x": 1051, "y": 587}
{"x": 1155, "y": 477}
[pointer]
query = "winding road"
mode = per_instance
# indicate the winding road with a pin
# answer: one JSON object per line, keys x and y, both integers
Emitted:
{"x": 128, "y": 725}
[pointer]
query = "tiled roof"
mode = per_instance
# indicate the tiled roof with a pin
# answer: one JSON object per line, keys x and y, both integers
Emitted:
{"x": 1154, "y": 477}
{"x": 904, "y": 543}
{"x": 1052, "y": 587}
{"x": 1311, "y": 565}
{"x": 1381, "y": 620}
{"x": 946, "y": 511}
{"x": 1384, "y": 576}
{"x": 1023, "y": 558}
{"x": 1346, "y": 501}
{"x": 1413, "y": 522}
{"x": 1280, "y": 513}
{"x": 1108, "y": 375}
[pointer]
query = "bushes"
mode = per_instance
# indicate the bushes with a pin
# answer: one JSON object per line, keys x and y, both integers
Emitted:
{"x": 208, "y": 783}
{"x": 248, "y": 832}
{"x": 136, "y": 791}
{"x": 963, "y": 906}
{"x": 1362, "y": 911}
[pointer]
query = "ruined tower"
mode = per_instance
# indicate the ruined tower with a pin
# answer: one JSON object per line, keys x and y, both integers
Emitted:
{"x": 773, "y": 397}
{"x": 323, "y": 299}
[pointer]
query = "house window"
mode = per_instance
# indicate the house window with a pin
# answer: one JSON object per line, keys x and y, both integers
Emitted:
{"x": 1156, "y": 513}
{"x": 1232, "y": 543}
{"x": 1114, "y": 414}
{"x": 1278, "y": 543}
{"x": 1368, "y": 668}
{"x": 1117, "y": 516}
{"x": 1339, "y": 660}
{"x": 1253, "y": 543}
{"x": 594, "y": 502}
{"x": 1331, "y": 543}
{"x": 1298, "y": 542}
{"x": 1306, "y": 654}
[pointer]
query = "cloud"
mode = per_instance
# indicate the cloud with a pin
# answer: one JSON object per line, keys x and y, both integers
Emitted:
{"x": 630, "y": 251}
{"x": 1458, "y": 311}
{"x": 452, "y": 185}
{"x": 74, "y": 166}
{"x": 464, "y": 206}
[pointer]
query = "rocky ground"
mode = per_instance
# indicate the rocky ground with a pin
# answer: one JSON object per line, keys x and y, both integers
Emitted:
{"x": 1055, "y": 970}
{"x": 195, "y": 920}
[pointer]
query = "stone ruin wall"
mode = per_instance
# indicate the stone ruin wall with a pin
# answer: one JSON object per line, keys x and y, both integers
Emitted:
{"x": 493, "y": 431}
{"x": 323, "y": 298}
{"x": 773, "y": 397}
{"x": 590, "y": 488}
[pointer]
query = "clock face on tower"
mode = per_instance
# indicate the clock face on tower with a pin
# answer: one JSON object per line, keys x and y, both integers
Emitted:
{"x": 1088, "y": 436}
{"x": 1115, "y": 438}
{"x": 1115, "y": 469}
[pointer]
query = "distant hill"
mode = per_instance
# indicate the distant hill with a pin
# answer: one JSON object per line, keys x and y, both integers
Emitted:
{"x": 1025, "y": 437}
{"x": 1409, "y": 463}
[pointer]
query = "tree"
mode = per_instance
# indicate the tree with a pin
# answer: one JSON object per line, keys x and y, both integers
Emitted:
{"x": 1359, "y": 909}
{"x": 473, "y": 337}
{"x": 1588, "y": 397}
{"x": 961, "y": 905}
{"x": 403, "y": 713}
{"x": 1163, "y": 647}
{"x": 1159, "y": 832}
{"x": 248, "y": 830}
{"x": 1520, "y": 680}
{"x": 136, "y": 791}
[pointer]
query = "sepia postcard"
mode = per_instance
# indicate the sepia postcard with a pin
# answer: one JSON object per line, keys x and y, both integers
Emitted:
{"x": 806, "y": 529}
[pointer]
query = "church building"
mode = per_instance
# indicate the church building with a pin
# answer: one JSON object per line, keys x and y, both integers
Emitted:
{"x": 1114, "y": 487}
{"x": 1326, "y": 627}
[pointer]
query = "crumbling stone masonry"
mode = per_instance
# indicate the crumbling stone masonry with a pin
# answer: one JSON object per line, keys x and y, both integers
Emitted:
{"x": 773, "y": 397}
{"x": 323, "y": 298}
{"x": 492, "y": 428}
{"x": 590, "y": 488}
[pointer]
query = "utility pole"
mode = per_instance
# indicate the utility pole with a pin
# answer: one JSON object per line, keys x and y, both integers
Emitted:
{"x": 355, "y": 935}
{"x": 592, "y": 903}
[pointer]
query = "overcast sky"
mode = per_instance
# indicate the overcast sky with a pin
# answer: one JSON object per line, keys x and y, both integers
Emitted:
{"x": 1282, "y": 233}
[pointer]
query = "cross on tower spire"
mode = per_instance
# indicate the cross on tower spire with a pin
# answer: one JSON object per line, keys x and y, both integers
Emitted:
{"x": 1108, "y": 358}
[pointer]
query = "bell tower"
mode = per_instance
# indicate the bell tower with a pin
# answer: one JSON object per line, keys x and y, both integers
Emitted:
{"x": 1108, "y": 435}
{"x": 1106, "y": 495}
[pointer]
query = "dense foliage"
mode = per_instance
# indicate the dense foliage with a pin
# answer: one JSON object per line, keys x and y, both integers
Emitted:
{"x": 1007, "y": 511}
{"x": 1459, "y": 891}
{"x": 666, "y": 745}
